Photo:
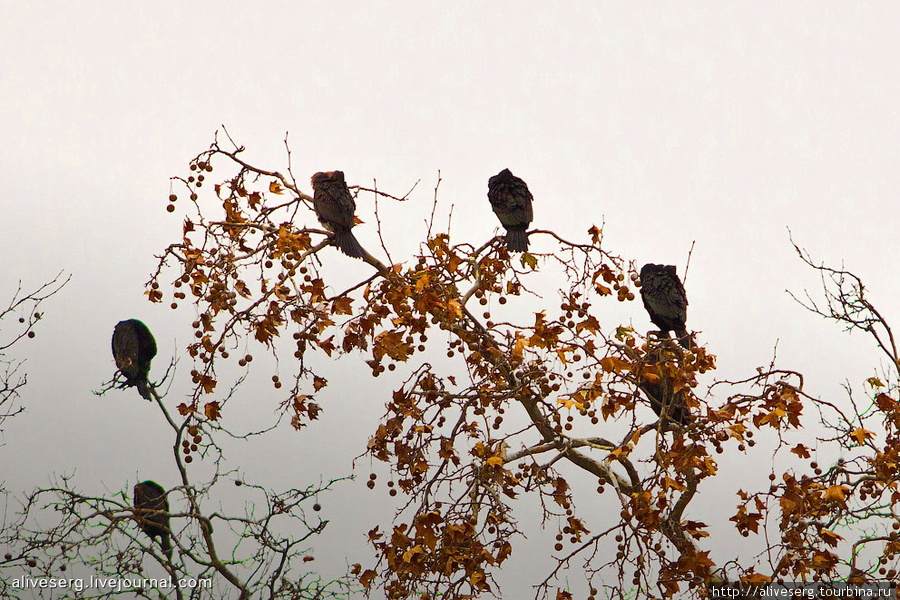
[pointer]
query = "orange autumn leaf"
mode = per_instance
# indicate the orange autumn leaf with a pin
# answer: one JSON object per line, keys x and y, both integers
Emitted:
{"x": 422, "y": 282}
{"x": 669, "y": 483}
{"x": 885, "y": 403}
{"x": 367, "y": 578}
{"x": 454, "y": 308}
{"x": 342, "y": 306}
{"x": 836, "y": 493}
{"x": 830, "y": 537}
{"x": 212, "y": 410}
{"x": 612, "y": 364}
{"x": 208, "y": 384}
{"x": 651, "y": 377}
{"x": 518, "y": 350}
{"x": 413, "y": 554}
{"x": 861, "y": 435}
{"x": 801, "y": 451}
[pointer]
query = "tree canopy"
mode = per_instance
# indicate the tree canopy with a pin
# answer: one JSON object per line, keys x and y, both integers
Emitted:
{"x": 493, "y": 400}
{"x": 510, "y": 382}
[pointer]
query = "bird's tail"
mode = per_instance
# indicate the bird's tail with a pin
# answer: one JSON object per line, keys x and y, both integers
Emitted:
{"x": 516, "y": 240}
{"x": 348, "y": 244}
{"x": 685, "y": 339}
{"x": 679, "y": 413}
{"x": 685, "y": 417}
{"x": 166, "y": 545}
{"x": 144, "y": 389}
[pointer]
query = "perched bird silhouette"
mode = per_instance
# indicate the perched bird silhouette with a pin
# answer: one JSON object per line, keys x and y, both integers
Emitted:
{"x": 511, "y": 202}
{"x": 133, "y": 347}
{"x": 151, "y": 510}
{"x": 665, "y": 300}
{"x": 335, "y": 209}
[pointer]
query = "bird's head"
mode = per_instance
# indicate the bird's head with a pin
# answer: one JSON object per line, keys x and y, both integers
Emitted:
{"x": 151, "y": 486}
{"x": 650, "y": 268}
{"x": 654, "y": 269}
{"x": 327, "y": 176}
{"x": 503, "y": 177}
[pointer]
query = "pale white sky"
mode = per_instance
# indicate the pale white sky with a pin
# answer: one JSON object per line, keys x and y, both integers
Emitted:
{"x": 720, "y": 123}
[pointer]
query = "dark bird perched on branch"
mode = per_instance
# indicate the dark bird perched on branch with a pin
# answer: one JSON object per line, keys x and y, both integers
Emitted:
{"x": 665, "y": 401}
{"x": 511, "y": 202}
{"x": 133, "y": 347}
{"x": 151, "y": 510}
{"x": 335, "y": 209}
{"x": 665, "y": 300}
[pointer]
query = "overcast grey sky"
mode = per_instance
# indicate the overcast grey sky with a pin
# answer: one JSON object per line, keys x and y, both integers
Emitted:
{"x": 716, "y": 123}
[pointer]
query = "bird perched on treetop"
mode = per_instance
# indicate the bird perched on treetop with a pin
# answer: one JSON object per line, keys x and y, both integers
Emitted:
{"x": 133, "y": 348}
{"x": 511, "y": 202}
{"x": 665, "y": 300}
{"x": 151, "y": 510}
{"x": 335, "y": 209}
